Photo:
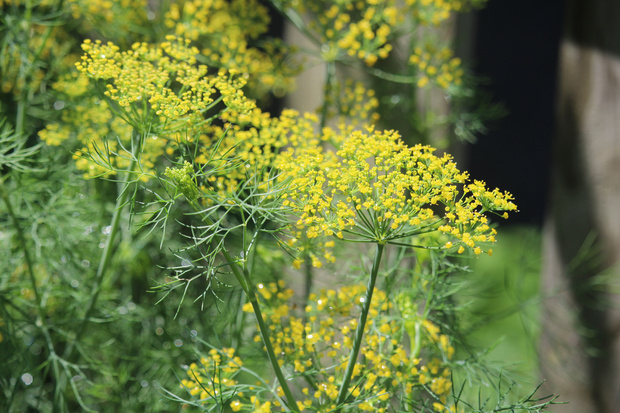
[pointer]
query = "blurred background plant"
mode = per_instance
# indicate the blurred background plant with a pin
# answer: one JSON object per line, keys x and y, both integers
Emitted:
{"x": 171, "y": 101}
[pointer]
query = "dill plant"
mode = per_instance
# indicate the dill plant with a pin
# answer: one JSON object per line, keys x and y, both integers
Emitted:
{"x": 220, "y": 201}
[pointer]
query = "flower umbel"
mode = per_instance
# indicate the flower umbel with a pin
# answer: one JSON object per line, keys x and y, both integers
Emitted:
{"x": 183, "y": 178}
{"x": 375, "y": 188}
{"x": 159, "y": 90}
{"x": 160, "y": 87}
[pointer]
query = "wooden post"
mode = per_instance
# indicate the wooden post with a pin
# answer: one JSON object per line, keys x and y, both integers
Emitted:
{"x": 580, "y": 341}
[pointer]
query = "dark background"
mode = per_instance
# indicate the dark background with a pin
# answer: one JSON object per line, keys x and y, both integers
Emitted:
{"x": 516, "y": 49}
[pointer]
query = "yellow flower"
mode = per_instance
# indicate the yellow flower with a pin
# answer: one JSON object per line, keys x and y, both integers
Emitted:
{"x": 376, "y": 188}
{"x": 226, "y": 30}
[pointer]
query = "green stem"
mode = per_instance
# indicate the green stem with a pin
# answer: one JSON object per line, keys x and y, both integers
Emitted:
{"x": 238, "y": 326}
{"x": 22, "y": 240}
{"x": 295, "y": 19}
{"x": 391, "y": 77}
{"x": 104, "y": 261}
{"x": 21, "y": 115}
{"x": 309, "y": 275}
{"x": 359, "y": 332}
{"x": 244, "y": 279}
{"x": 330, "y": 76}
{"x": 417, "y": 340}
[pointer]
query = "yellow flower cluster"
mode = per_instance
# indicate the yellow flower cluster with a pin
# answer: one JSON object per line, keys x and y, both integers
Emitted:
{"x": 227, "y": 29}
{"x": 234, "y": 21}
{"x": 24, "y": 2}
{"x": 373, "y": 188}
{"x": 376, "y": 188}
{"x": 109, "y": 17}
{"x": 352, "y": 102}
{"x": 317, "y": 347}
{"x": 433, "y": 12}
{"x": 72, "y": 84}
{"x": 359, "y": 29}
{"x": 159, "y": 90}
{"x": 317, "y": 250}
{"x": 365, "y": 29}
{"x": 465, "y": 219}
{"x": 92, "y": 126}
{"x": 437, "y": 66}
{"x": 214, "y": 376}
{"x": 88, "y": 124}
{"x": 248, "y": 145}
{"x": 141, "y": 81}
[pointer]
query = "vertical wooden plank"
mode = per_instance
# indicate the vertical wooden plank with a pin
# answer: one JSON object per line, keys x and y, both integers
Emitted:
{"x": 580, "y": 342}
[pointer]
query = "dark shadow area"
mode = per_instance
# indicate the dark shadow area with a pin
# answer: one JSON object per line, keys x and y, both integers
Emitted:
{"x": 516, "y": 48}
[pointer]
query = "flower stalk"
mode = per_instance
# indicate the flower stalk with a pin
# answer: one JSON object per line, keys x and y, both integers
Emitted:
{"x": 359, "y": 332}
{"x": 244, "y": 280}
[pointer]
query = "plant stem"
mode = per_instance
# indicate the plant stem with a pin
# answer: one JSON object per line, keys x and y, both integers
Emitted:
{"x": 309, "y": 275}
{"x": 244, "y": 279}
{"x": 359, "y": 332}
{"x": 296, "y": 20}
{"x": 104, "y": 262}
{"x": 330, "y": 78}
{"x": 22, "y": 241}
